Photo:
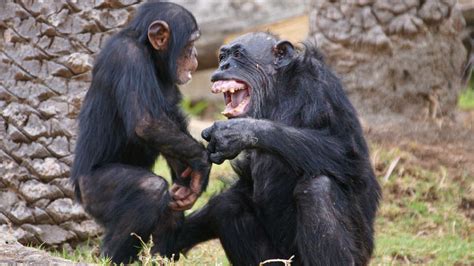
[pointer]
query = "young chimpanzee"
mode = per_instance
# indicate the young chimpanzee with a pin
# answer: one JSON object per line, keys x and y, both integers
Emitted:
{"x": 306, "y": 186}
{"x": 129, "y": 117}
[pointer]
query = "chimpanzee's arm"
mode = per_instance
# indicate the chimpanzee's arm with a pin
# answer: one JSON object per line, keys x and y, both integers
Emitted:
{"x": 307, "y": 151}
{"x": 176, "y": 166}
{"x": 146, "y": 114}
{"x": 167, "y": 137}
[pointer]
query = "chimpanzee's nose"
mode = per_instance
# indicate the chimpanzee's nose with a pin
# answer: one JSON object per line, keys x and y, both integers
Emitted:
{"x": 218, "y": 75}
{"x": 224, "y": 66}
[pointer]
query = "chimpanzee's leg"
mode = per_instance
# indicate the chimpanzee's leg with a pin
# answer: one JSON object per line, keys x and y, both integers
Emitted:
{"x": 125, "y": 200}
{"x": 323, "y": 236}
{"x": 229, "y": 216}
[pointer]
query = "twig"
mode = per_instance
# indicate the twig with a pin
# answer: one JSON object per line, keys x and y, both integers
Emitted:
{"x": 375, "y": 157}
{"x": 392, "y": 166}
{"x": 145, "y": 255}
{"x": 443, "y": 177}
{"x": 285, "y": 262}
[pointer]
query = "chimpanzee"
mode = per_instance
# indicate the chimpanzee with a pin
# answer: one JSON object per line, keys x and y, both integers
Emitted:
{"x": 306, "y": 186}
{"x": 129, "y": 117}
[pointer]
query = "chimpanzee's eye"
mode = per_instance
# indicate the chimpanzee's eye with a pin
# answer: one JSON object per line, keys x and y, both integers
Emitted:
{"x": 237, "y": 54}
{"x": 221, "y": 57}
{"x": 189, "y": 50}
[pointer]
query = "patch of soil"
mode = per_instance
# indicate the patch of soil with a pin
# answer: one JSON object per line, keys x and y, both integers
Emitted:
{"x": 448, "y": 143}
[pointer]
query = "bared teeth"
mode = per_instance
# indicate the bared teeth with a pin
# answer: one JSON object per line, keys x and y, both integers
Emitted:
{"x": 227, "y": 86}
{"x": 236, "y": 96}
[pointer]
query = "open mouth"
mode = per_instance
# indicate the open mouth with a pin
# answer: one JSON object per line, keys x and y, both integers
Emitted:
{"x": 236, "y": 96}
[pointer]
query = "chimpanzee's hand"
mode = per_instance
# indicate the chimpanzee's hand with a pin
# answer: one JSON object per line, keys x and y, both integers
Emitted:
{"x": 196, "y": 177}
{"x": 228, "y": 138}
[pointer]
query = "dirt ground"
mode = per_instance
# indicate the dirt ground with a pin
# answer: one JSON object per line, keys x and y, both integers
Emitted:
{"x": 433, "y": 143}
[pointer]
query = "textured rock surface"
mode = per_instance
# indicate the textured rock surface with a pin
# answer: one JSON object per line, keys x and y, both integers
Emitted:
{"x": 47, "y": 50}
{"x": 403, "y": 57}
{"x": 13, "y": 253}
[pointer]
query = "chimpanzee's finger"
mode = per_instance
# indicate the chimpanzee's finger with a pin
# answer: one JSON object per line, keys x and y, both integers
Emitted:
{"x": 182, "y": 193}
{"x": 185, "y": 204}
{"x": 195, "y": 184}
{"x": 186, "y": 172}
{"x": 173, "y": 190}
{"x": 178, "y": 192}
{"x": 207, "y": 133}
{"x": 174, "y": 206}
{"x": 189, "y": 201}
{"x": 211, "y": 147}
{"x": 217, "y": 157}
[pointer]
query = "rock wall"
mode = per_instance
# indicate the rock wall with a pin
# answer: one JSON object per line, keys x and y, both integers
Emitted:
{"x": 47, "y": 49}
{"x": 395, "y": 56}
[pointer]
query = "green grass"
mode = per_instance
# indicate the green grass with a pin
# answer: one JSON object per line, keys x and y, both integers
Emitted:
{"x": 420, "y": 220}
{"x": 466, "y": 99}
{"x": 194, "y": 108}
{"x": 86, "y": 252}
{"x": 405, "y": 248}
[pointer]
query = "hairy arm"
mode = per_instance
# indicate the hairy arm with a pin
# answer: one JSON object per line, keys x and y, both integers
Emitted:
{"x": 143, "y": 108}
{"x": 148, "y": 117}
{"x": 173, "y": 143}
{"x": 307, "y": 151}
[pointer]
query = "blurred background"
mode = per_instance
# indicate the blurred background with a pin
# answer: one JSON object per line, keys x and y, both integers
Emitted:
{"x": 405, "y": 64}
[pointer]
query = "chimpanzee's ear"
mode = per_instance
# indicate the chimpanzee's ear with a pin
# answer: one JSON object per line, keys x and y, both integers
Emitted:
{"x": 159, "y": 35}
{"x": 283, "y": 53}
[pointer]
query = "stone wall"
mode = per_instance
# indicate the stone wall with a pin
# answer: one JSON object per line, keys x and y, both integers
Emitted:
{"x": 395, "y": 56}
{"x": 47, "y": 49}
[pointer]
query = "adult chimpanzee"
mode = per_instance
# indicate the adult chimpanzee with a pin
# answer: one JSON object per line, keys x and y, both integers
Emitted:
{"x": 129, "y": 117}
{"x": 306, "y": 186}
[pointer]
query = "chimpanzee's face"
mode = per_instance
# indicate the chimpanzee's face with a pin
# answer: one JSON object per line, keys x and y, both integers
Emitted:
{"x": 245, "y": 71}
{"x": 187, "y": 61}
{"x": 159, "y": 34}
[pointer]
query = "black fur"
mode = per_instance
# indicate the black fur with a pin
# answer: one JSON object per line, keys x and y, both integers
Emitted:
{"x": 306, "y": 186}
{"x": 129, "y": 117}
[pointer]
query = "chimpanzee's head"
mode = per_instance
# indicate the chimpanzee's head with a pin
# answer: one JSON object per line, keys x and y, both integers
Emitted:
{"x": 169, "y": 31}
{"x": 247, "y": 72}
